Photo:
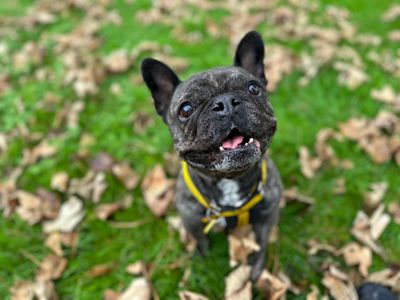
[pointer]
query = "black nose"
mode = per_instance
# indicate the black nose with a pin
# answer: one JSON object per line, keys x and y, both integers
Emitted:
{"x": 225, "y": 104}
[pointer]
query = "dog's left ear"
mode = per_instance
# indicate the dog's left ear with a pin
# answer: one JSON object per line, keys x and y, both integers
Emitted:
{"x": 250, "y": 55}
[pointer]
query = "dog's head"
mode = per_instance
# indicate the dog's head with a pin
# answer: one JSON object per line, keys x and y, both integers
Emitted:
{"x": 221, "y": 120}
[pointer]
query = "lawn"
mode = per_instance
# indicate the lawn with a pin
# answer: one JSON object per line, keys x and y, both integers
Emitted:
{"x": 37, "y": 91}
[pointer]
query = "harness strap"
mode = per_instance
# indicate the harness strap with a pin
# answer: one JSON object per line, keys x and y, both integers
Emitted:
{"x": 242, "y": 213}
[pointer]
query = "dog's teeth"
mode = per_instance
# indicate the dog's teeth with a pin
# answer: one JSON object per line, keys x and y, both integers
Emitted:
{"x": 221, "y": 148}
{"x": 251, "y": 140}
{"x": 246, "y": 144}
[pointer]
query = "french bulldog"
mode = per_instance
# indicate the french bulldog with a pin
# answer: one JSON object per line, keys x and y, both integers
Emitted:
{"x": 222, "y": 123}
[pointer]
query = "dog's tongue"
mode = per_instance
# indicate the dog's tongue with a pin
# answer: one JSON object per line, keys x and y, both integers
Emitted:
{"x": 233, "y": 143}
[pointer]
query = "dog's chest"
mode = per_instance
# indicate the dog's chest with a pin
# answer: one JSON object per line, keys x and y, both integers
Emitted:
{"x": 230, "y": 193}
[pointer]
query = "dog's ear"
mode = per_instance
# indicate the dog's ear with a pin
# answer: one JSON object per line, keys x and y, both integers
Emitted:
{"x": 162, "y": 82}
{"x": 250, "y": 55}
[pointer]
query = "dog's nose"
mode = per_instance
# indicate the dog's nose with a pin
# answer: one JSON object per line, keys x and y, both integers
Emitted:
{"x": 225, "y": 103}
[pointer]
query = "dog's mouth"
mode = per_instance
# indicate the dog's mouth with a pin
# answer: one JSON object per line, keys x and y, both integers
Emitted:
{"x": 236, "y": 140}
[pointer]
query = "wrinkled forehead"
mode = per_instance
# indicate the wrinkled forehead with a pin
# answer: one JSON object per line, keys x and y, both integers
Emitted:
{"x": 214, "y": 80}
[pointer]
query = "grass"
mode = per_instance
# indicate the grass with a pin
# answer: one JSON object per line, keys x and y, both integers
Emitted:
{"x": 301, "y": 113}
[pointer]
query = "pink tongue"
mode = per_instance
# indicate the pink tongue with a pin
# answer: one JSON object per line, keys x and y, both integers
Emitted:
{"x": 233, "y": 143}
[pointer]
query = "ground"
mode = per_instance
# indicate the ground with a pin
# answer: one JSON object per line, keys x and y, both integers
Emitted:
{"x": 301, "y": 112}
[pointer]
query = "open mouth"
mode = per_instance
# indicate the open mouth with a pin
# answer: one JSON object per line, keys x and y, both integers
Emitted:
{"x": 236, "y": 140}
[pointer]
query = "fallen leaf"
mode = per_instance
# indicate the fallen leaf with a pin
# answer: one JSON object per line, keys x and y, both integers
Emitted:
{"x": 126, "y": 175}
{"x": 139, "y": 289}
{"x": 92, "y": 186}
{"x": 237, "y": 284}
{"x": 242, "y": 242}
{"x": 137, "y": 268}
{"x": 53, "y": 242}
{"x": 313, "y": 295}
{"x": 387, "y": 277}
{"x": 393, "y": 36}
{"x": 117, "y": 61}
{"x": 51, "y": 203}
{"x": 42, "y": 150}
{"x": 175, "y": 223}
{"x": 52, "y": 267}
{"x": 392, "y": 13}
{"x": 187, "y": 295}
{"x": 71, "y": 214}
{"x": 350, "y": 75}
{"x": 102, "y": 162}
{"x": 338, "y": 285}
{"x": 356, "y": 255}
{"x": 272, "y": 287}
{"x": 101, "y": 270}
{"x": 158, "y": 191}
{"x": 59, "y": 181}
{"x": 104, "y": 211}
{"x": 292, "y": 194}
{"x": 374, "y": 197}
{"x": 394, "y": 209}
{"x": 315, "y": 247}
{"x": 340, "y": 186}
{"x": 309, "y": 165}
{"x": 29, "y": 208}
{"x": 28, "y": 290}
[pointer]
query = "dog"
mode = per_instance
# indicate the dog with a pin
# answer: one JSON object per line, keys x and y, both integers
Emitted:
{"x": 222, "y": 123}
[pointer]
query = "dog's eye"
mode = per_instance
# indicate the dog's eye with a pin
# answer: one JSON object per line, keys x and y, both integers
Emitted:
{"x": 186, "y": 110}
{"x": 253, "y": 89}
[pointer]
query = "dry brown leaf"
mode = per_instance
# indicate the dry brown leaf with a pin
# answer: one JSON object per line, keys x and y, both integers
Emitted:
{"x": 158, "y": 191}
{"x": 339, "y": 289}
{"x": 137, "y": 268}
{"x": 30, "y": 207}
{"x": 368, "y": 229}
{"x": 101, "y": 269}
{"x": 292, "y": 194}
{"x": 70, "y": 239}
{"x": 71, "y": 214}
{"x": 52, "y": 267}
{"x": 126, "y": 175}
{"x": 51, "y": 203}
{"x": 117, "y": 61}
{"x": 242, "y": 242}
{"x": 53, "y": 242}
{"x": 104, "y": 211}
{"x": 28, "y": 290}
{"x": 279, "y": 62}
{"x": 309, "y": 165}
{"x": 92, "y": 186}
{"x": 313, "y": 295}
{"x": 386, "y": 95}
{"x": 315, "y": 247}
{"x": 187, "y": 295}
{"x": 394, "y": 35}
{"x": 350, "y": 75}
{"x": 387, "y": 277}
{"x": 59, "y": 181}
{"x": 102, "y": 162}
{"x": 356, "y": 255}
{"x": 374, "y": 197}
{"x": 110, "y": 295}
{"x": 175, "y": 223}
{"x": 394, "y": 209}
{"x": 237, "y": 284}
{"x": 271, "y": 286}
{"x": 141, "y": 121}
{"x": 392, "y": 13}
{"x": 139, "y": 289}
{"x": 42, "y": 150}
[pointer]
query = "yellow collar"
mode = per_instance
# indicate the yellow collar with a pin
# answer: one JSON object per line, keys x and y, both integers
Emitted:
{"x": 242, "y": 213}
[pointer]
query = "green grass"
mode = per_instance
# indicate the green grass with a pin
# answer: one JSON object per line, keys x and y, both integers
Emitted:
{"x": 301, "y": 113}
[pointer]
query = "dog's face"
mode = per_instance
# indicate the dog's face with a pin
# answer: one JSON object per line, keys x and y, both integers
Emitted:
{"x": 220, "y": 120}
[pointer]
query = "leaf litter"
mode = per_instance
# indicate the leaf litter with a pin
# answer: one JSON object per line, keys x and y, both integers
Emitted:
{"x": 86, "y": 71}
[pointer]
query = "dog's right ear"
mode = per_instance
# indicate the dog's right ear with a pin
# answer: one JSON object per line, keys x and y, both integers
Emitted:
{"x": 162, "y": 82}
